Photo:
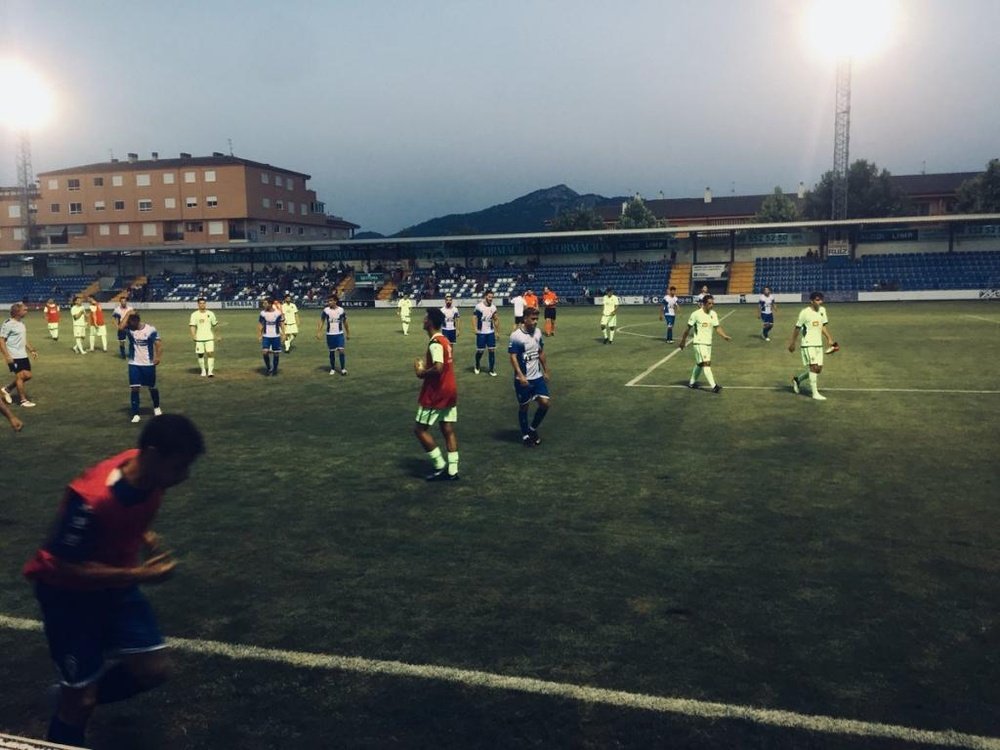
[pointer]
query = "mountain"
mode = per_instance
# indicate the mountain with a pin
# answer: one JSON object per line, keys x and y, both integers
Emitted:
{"x": 525, "y": 214}
{"x": 368, "y": 236}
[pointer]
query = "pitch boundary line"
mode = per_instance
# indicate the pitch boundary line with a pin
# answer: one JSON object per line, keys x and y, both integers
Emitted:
{"x": 585, "y": 694}
{"x": 635, "y": 381}
{"x": 856, "y": 390}
{"x": 980, "y": 317}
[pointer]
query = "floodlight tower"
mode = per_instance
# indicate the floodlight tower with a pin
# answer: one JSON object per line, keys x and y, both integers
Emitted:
{"x": 841, "y": 139}
{"x": 26, "y": 188}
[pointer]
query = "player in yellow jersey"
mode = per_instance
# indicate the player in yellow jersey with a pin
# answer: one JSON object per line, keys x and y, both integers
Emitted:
{"x": 291, "y": 312}
{"x": 701, "y": 325}
{"x": 202, "y": 325}
{"x": 811, "y": 326}
{"x": 609, "y": 315}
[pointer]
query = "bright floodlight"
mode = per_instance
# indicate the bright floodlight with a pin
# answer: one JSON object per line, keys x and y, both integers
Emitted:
{"x": 849, "y": 28}
{"x": 26, "y": 103}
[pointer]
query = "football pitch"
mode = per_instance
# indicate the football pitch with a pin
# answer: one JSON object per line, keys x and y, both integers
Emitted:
{"x": 669, "y": 568}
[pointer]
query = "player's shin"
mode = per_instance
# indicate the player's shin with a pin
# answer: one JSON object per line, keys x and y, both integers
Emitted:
{"x": 709, "y": 376}
{"x": 522, "y": 419}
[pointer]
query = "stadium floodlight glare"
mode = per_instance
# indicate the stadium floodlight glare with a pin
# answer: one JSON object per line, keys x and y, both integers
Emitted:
{"x": 27, "y": 102}
{"x": 855, "y": 29}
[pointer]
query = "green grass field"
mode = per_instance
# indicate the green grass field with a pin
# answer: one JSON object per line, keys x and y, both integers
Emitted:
{"x": 750, "y": 548}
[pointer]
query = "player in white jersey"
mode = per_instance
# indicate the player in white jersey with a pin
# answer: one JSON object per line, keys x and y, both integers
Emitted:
{"x": 518, "y": 303}
{"x": 202, "y": 325}
{"x": 333, "y": 321}
{"x": 403, "y": 308}
{"x": 609, "y": 315}
{"x": 270, "y": 332}
{"x": 701, "y": 325}
{"x": 78, "y": 312}
{"x": 451, "y": 316}
{"x": 121, "y": 314}
{"x": 291, "y": 312}
{"x": 531, "y": 375}
{"x": 144, "y": 350}
{"x": 811, "y": 326}
{"x": 487, "y": 321}
{"x": 668, "y": 311}
{"x": 766, "y": 307}
{"x": 700, "y": 297}
{"x": 15, "y": 349}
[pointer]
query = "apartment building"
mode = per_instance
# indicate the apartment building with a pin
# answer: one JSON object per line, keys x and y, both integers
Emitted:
{"x": 189, "y": 200}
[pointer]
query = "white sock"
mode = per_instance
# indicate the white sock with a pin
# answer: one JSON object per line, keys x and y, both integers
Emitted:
{"x": 814, "y": 382}
{"x": 708, "y": 376}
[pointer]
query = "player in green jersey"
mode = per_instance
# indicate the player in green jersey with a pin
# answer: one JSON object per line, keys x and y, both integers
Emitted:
{"x": 702, "y": 323}
{"x": 811, "y": 326}
{"x": 202, "y": 324}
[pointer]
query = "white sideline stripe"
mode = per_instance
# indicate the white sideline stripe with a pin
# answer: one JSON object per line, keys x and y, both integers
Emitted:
{"x": 856, "y": 390}
{"x": 980, "y": 317}
{"x": 634, "y": 381}
{"x": 472, "y": 678}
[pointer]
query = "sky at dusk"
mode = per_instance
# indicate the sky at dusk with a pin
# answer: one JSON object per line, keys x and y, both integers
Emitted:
{"x": 406, "y": 110}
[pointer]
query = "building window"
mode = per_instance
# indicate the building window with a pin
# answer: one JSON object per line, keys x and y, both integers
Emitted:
{"x": 149, "y": 230}
{"x": 168, "y": 178}
{"x": 54, "y": 208}
{"x": 302, "y": 230}
{"x": 305, "y": 210}
{"x": 290, "y": 182}
{"x": 18, "y": 233}
{"x": 263, "y": 228}
{"x": 123, "y": 229}
{"x": 119, "y": 205}
{"x": 192, "y": 226}
{"x": 76, "y": 208}
{"x": 191, "y": 202}
{"x": 53, "y": 184}
{"x": 98, "y": 182}
{"x": 145, "y": 205}
{"x": 170, "y": 203}
{"x": 288, "y": 230}
{"x": 265, "y": 178}
{"x": 276, "y": 229}
{"x": 216, "y": 227}
{"x": 190, "y": 177}
{"x": 98, "y": 205}
{"x": 209, "y": 175}
{"x": 280, "y": 205}
{"x": 142, "y": 180}
{"x": 73, "y": 184}
{"x": 13, "y": 212}
{"x": 291, "y": 207}
{"x": 277, "y": 180}
{"x": 211, "y": 201}
{"x": 117, "y": 180}
{"x": 104, "y": 230}
{"x": 265, "y": 202}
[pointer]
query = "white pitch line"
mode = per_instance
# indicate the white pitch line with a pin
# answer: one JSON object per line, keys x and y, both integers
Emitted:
{"x": 582, "y": 693}
{"x": 674, "y": 353}
{"x": 856, "y": 390}
{"x": 980, "y": 317}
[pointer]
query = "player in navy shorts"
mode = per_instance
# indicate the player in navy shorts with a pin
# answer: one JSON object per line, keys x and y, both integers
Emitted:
{"x": 87, "y": 575}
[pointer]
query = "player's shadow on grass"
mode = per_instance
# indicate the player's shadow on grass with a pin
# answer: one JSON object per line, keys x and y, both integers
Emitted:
{"x": 507, "y": 436}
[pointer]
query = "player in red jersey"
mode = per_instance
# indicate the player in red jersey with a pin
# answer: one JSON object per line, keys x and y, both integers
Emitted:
{"x": 438, "y": 400}
{"x": 51, "y": 310}
{"x": 87, "y": 575}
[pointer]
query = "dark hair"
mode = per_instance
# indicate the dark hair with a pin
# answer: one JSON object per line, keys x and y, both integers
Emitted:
{"x": 436, "y": 317}
{"x": 706, "y": 298}
{"x": 134, "y": 316}
{"x": 201, "y": 299}
{"x": 530, "y": 311}
{"x": 172, "y": 435}
{"x": 815, "y": 295}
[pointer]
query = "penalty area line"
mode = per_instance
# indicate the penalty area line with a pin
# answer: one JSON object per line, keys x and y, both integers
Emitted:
{"x": 585, "y": 694}
{"x": 843, "y": 390}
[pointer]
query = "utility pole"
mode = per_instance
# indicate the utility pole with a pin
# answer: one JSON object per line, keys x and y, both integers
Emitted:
{"x": 841, "y": 139}
{"x": 26, "y": 188}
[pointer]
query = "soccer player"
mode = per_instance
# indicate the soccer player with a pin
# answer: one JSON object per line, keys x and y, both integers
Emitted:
{"x": 79, "y": 314}
{"x": 52, "y": 316}
{"x": 15, "y": 349}
{"x": 270, "y": 332}
{"x": 451, "y": 316}
{"x": 403, "y": 307}
{"x": 333, "y": 320}
{"x": 668, "y": 311}
{"x": 121, "y": 315}
{"x": 291, "y": 312}
{"x": 144, "y": 350}
{"x": 766, "y": 313}
{"x": 549, "y": 301}
{"x": 97, "y": 326}
{"x": 531, "y": 376}
{"x": 609, "y": 315}
{"x": 487, "y": 321}
{"x": 438, "y": 400}
{"x": 703, "y": 322}
{"x": 530, "y": 299}
{"x": 87, "y": 575}
{"x": 812, "y": 327}
{"x": 202, "y": 324}
{"x": 700, "y": 298}
{"x": 518, "y": 303}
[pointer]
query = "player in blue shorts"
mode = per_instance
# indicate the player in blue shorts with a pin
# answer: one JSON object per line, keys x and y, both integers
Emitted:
{"x": 271, "y": 334}
{"x": 144, "y": 350}
{"x": 767, "y": 307}
{"x": 87, "y": 575}
{"x": 487, "y": 321}
{"x": 333, "y": 320}
{"x": 531, "y": 375}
